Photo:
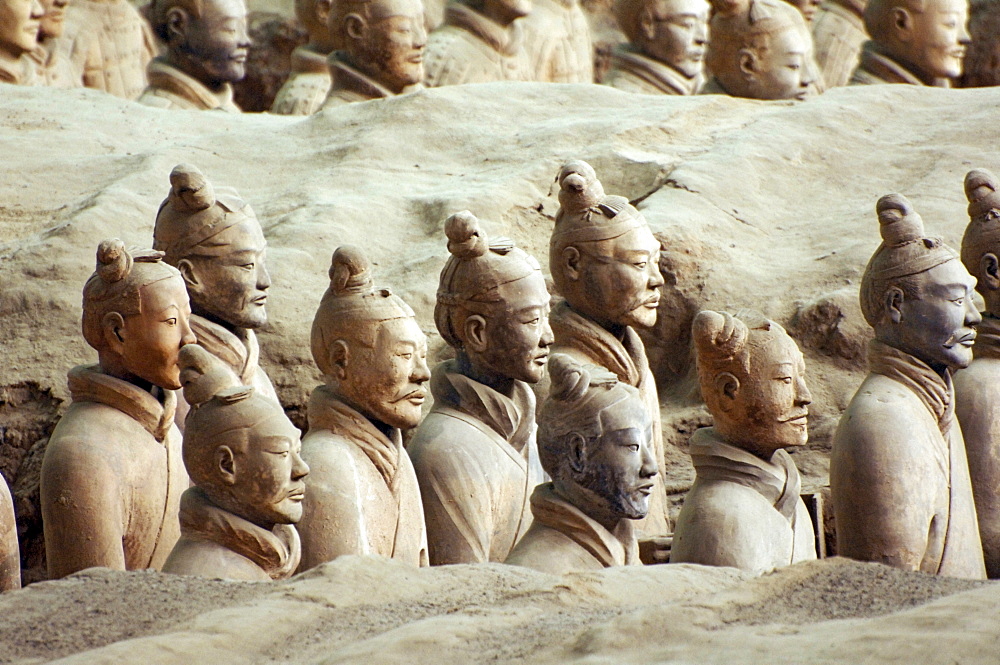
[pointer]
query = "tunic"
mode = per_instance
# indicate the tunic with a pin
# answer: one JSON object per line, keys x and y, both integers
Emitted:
{"x": 838, "y": 33}
{"x": 899, "y": 475}
{"x": 742, "y": 511}
{"x": 470, "y": 48}
{"x": 170, "y": 88}
{"x": 634, "y": 72}
{"x": 362, "y": 495}
{"x": 218, "y": 544}
{"x": 589, "y": 343}
{"x": 307, "y": 86}
{"x": 112, "y": 477}
{"x": 53, "y": 68}
{"x": 563, "y": 539}
{"x": 477, "y": 461}
{"x": 557, "y": 40}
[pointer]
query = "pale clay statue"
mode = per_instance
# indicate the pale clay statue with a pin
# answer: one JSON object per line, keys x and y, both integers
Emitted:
{"x": 20, "y": 21}
{"x": 605, "y": 263}
{"x": 54, "y": 68}
{"x": 213, "y": 237}
{"x": 761, "y": 50}
{"x": 475, "y": 454}
{"x": 108, "y": 44}
{"x": 308, "y": 82}
{"x": 899, "y": 475}
{"x": 10, "y": 556}
{"x": 382, "y": 49}
{"x": 112, "y": 475}
{"x": 916, "y": 42}
{"x": 362, "y": 495}
{"x": 977, "y": 393}
{"x": 557, "y": 42}
{"x": 666, "y": 50}
{"x": 808, "y": 9}
{"x": 838, "y": 33}
{"x": 480, "y": 41}
{"x": 744, "y": 509}
{"x": 207, "y": 45}
{"x": 243, "y": 456}
{"x": 595, "y": 441}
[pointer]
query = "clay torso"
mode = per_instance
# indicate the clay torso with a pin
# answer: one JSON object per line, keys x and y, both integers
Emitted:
{"x": 477, "y": 461}
{"x": 562, "y": 539}
{"x": 557, "y": 40}
{"x": 634, "y": 72}
{"x": 977, "y": 406}
{"x": 588, "y": 343}
{"x": 54, "y": 69}
{"x": 10, "y": 556}
{"x": 20, "y": 71}
{"x": 361, "y": 492}
{"x": 109, "y": 45}
{"x": 742, "y": 511}
{"x": 899, "y": 476}
{"x": 469, "y": 48}
{"x": 307, "y": 87}
{"x": 218, "y": 544}
{"x": 170, "y": 88}
{"x": 838, "y": 35}
{"x": 111, "y": 478}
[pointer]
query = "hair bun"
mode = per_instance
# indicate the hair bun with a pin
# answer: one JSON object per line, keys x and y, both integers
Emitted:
{"x": 980, "y": 183}
{"x": 718, "y": 334}
{"x": 466, "y": 238}
{"x": 898, "y": 222}
{"x": 113, "y": 261}
{"x": 190, "y": 189}
{"x": 579, "y": 187}
{"x": 203, "y": 376}
{"x": 350, "y": 271}
{"x": 569, "y": 379}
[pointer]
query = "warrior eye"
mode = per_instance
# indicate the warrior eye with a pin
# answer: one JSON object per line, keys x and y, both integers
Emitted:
{"x": 248, "y": 266}
{"x": 171, "y": 322}
{"x": 787, "y": 380}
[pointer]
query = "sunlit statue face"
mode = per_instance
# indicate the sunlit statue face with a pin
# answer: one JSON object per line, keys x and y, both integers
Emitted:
{"x": 212, "y": 47}
{"x": 675, "y": 33}
{"x": 19, "y": 24}
{"x": 52, "y": 21}
{"x": 388, "y": 43}
{"x": 780, "y": 70}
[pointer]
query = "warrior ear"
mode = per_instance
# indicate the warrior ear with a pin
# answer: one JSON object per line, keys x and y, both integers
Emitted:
{"x": 114, "y": 327}
{"x": 571, "y": 263}
{"x": 903, "y": 23}
{"x": 355, "y": 26}
{"x": 728, "y": 387}
{"x": 340, "y": 358}
{"x": 893, "y": 300}
{"x": 475, "y": 333}
{"x": 989, "y": 272}
{"x": 577, "y": 453}
{"x": 225, "y": 462}
{"x": 188, "y": 274}
{"x": 647, "y": 24}
{"x": 323, "y": 9}
{"x": 177, "y": 21}
{"x": 748, "y": 63}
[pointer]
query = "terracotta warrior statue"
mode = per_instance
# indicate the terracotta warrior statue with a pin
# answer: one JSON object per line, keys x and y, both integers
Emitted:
{"x": 112, "y": 474}
{"x": 362, "y": 495}
{"x": 981, "y": 66}
{"x": 605, "y": 263}
{"x": 213, "y": 237}
{"x": 666, "y": 52}
{"x": 19, "y": 25}
{"x": 595, "y": 441}
{"x": 109, "y": 45}
{"x": 475, "y": 454}
{"x": 382, "y": 54}
{"x": 760, "y": 50}
{"x": 480, "y": 41}
{"x": 977, "y": 393}
{"x": 917, "y": 42}
{"x": 838, "y": 33}
{"x": 899, "y": 475}
{"x": 10, "y": 556}
{"x": 744, "y": 509}
{"x": 207, "y": 45}
{"x": 807, "y": 8}
{"x": 242, "y": 454}
{"x": 558, "y": 43}
{"x": 309, "y": 81}
{"x": 55, "y": 69}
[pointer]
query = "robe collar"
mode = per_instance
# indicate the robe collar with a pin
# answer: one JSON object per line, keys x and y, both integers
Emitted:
{"x": 663, "y": 77}
{"x": 935, "y": 392}
{"x": 89, "y": 383}
{"x": 884, "y": 68}
{"x": 164, "y": 76}
{"x": 987, "y": 338}
{"x": 307, "y": 61}
{"x": 504, "y": 40}
{"x": 239, "y": 351}
{"x": 347, "y": 78}
{"x": 625, "y": 358}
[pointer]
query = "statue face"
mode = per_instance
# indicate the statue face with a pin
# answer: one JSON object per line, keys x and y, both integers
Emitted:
{"x": 780, "y": 71}
{"x": 518, "y": 336}
{"x": 675, "y": 33}
{"x": 768, "y": 410}
{"x": 938, "y": 327}
{"x": 939, "y": 38}
{"x": 232, "y": 288}
{"x": 806, "y": 7}
{"x": 390, "y": 46}
{"x": 621, "y": 466}
{"x": 52, "y": 20}
{"x": 19, "y": 23}
{"x": 269, "y": 486}
{"x": 217, "y": 43}
{"x": 620, "y": 280}
{"x": 387, "y": 382}
{"x": 151, "y": 340}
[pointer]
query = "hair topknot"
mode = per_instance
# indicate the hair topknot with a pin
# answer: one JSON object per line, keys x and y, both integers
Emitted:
{"x": 203, "y": 376}
{"x": 113, "y": 261}
{"x": 579, "y": 187}
{"x": 466, "y": 238}
{"x": 191, "y": 190}
{"x": 350, "y": 271}
{"x": 898, "y": 222}
{"x": 718, "y": 334}
{"x": 571, "y": 380}
{"x": 981, "y": 189}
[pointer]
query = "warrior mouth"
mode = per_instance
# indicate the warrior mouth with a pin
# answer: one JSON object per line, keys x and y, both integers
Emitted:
{"x": 259, "y": 300}
{"x": 416, "y": 397}
{"x": 646, "y": 489}
{"x": 968, "y": 339}
{"x": 653, "y": 302}
{"x": 297, "y": 495}
{"x": 800, "y": 419}
{"x": 416, "y": 59}
{"x": 240, "y": 58}
{"x": 541, "y": 359}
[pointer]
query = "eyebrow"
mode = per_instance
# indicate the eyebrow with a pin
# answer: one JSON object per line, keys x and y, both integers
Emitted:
{"x": 168, "y": 308}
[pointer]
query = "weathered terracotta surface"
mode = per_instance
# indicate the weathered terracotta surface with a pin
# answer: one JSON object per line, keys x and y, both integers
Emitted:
{"x": 10, "y": 556}
{"x": 206, "y": 48}
{"x": 604, "y": 262}
{"x": 838, "y": 33}
{"x": 595, "y": 442}
{"x": 911, "y": 46}
{"x": 899, "y": 475}
{"x": 242, "y": 454}
{"x": 309, "y": 81}
{"x": 558, "y": 43}
{"x": 977, "y": 393}
{"x": 475, "y": 454}
{"x": 666, "y": 49}
{"x": 478, "y": 42}
{"x": 744, "y": 509}
{"x": 20, "y": 22}
{"x": 362, "y": 495}
{"x": 382, "y": 44}
{"x": 112, "y": 475}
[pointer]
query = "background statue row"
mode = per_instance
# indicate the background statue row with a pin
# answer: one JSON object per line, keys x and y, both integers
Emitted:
{"x": 369, "y": 49}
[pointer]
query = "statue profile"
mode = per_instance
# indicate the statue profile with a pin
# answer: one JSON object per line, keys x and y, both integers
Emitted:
{"x": 308, "y": 83}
